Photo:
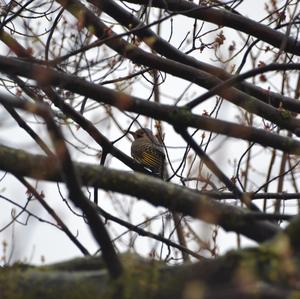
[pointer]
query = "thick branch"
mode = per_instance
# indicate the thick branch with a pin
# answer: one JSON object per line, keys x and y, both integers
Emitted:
{"x": 84, "y": 123}
{"x": 250, "y": 273}
{"x": 155, "y": 191}
{"x": 225, "y": 18}
{"x": 173, "y": 115}
{"x": 72, "y": 181}
{"x": 164, "y": 48}
{"x": 192, "y": 74}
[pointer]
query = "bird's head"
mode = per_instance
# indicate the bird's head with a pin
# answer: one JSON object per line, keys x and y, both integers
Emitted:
{"x": 142, "y": 133}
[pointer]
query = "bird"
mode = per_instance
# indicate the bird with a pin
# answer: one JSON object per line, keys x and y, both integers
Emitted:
{"x": 148, "y": 151}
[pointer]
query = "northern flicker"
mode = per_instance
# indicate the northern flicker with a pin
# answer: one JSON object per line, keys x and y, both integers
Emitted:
{"x": 148, "y": 151}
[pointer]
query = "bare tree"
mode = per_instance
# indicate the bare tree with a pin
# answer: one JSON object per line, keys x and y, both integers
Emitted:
{"x": 217, "y": 83}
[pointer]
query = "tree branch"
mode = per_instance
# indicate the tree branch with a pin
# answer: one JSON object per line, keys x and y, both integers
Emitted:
{"x": 176, "y": 116}
{"x": 192, "y": 74}
{"x": 225, "y": 18}
{"x": 69, "y": 174}
{"x": 168, "y": 195}
{"x": 164, "y": 48}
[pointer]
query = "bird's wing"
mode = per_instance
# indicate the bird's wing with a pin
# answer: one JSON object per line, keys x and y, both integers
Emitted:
{"x": 154, "y": 158}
